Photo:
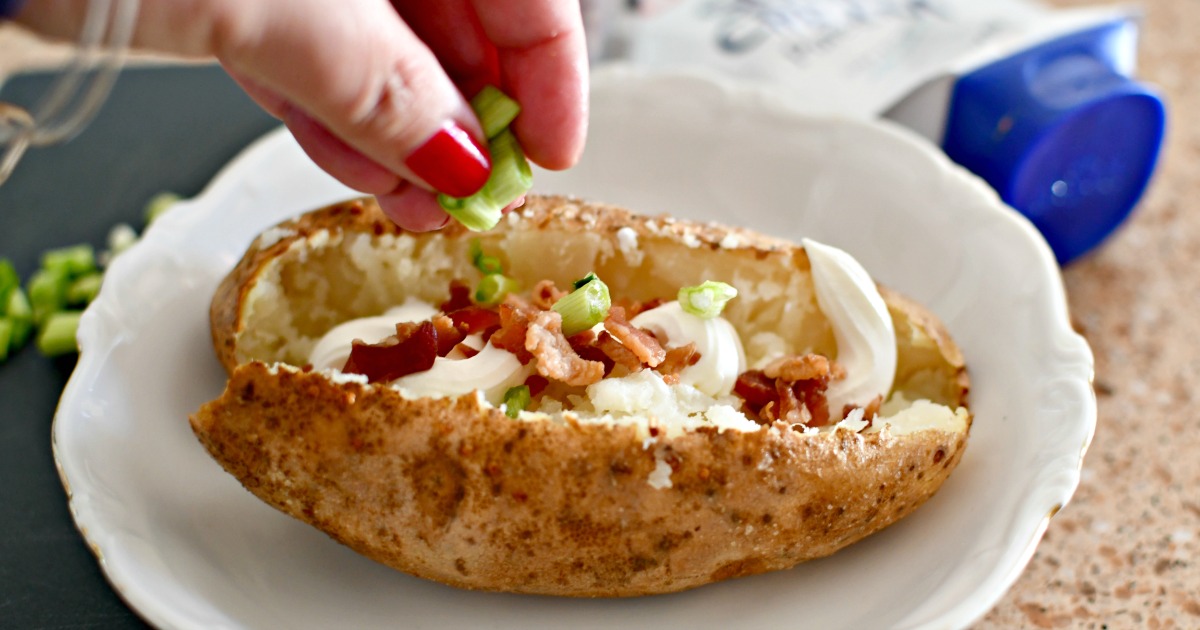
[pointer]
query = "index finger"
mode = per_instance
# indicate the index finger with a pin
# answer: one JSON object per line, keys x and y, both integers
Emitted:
{"x": 543, "y": 64}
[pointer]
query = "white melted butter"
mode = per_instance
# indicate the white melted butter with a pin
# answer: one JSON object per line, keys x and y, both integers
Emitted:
{"x": 722, "y": 358}
{"x": 866, "y": 338}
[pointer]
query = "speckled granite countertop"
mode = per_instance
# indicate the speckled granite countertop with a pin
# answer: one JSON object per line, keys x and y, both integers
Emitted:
{"x": 1125, "y": 553}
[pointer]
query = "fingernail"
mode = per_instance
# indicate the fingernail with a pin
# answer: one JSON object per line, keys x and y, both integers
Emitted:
{"x": 451, "y": 161}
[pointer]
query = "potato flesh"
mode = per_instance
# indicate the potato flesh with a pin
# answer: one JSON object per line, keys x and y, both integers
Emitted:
{"x": 330, "y": 277}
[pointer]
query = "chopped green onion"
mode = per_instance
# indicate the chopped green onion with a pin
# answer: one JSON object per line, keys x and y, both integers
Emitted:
{"x": 511, "y": 176}
{"x": 48, "y": 292}
{"x": 159, "y": 204}
{"x": 476, "y": 212}
{"x": 493, "y": 287}
{"x": 85, "y": 289}
{"x": 74, "y": 261}
{"x": 57, "y": 336}
{"x": 9, "y": 280}
{"x": 584, "y": 307}
{"x": 516, "y": 399}
{"x": 706, "y": 300}
{"x": 494, "y": 109}
{"x": 6, "y": 338}
{"x": 20, "y": 313}
{"x": 484, "y": 263}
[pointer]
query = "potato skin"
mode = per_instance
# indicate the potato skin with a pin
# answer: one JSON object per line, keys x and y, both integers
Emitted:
{"x": 455, "y": 491}
{"x": 451, "y": 491}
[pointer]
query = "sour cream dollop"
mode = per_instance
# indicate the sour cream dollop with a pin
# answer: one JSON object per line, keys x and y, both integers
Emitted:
{"x": 722, "y": 358}
{"x": 866, "y": 338}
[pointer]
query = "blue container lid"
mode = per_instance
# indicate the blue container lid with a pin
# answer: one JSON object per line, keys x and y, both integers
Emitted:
{"x": 1062, "y": 133}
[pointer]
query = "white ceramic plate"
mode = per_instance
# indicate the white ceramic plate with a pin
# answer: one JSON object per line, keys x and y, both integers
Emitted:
{"x": 187, "y": 547}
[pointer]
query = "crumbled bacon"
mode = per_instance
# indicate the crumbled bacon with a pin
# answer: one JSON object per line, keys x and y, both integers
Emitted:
{"x": 460, "y": 297}
{"x": 536, "y": 384}
{"x": 555, "y": 358}
{"x": 755, "y": 388}
{"x": 448, "y": 335}
{"x": 798, "y": 368}
{"x": 633, "y": 308}
{"x": 643, "y": 344}
{"x": 677, "y": 359}
{"x": 545, "y": 294}
{"x": 466, "y": 351}
{"x": 791, "y": 389}
{"x": 514, "y": 317}
{"x": 413, "y": 349}
{"x": 475, "y": 319}
{"x": 617, "y": 352}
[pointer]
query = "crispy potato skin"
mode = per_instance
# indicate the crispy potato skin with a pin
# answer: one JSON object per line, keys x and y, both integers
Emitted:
{"x": 450, "y": 491}
{"x": 455, "y": 491}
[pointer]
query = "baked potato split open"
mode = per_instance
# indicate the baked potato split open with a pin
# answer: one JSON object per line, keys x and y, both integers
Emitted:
{"x": 572, "y": 501}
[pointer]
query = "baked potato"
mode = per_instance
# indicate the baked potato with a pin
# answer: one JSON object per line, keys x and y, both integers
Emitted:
{"x": 568, "y": 496}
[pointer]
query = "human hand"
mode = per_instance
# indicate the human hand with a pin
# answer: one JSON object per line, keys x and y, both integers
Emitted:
{"x": 373, "y": 90}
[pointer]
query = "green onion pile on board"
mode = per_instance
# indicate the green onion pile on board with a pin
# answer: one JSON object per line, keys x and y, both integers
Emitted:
{"x": 48, "y": 307}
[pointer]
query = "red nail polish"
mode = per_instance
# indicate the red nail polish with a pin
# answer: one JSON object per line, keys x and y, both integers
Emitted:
{"x": 451, "y": 161}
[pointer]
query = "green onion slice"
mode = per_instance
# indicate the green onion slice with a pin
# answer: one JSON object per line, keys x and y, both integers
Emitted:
{"x": 493, "y": 287}
{"x": 74, "y": 261}
{"x": 706, "y": 300}
{"x": 6, "y": 338}
{"x": 18, "y": 311}
{"x": 57, "y": 336}
{"x": 494, "y": 109}
{"x": 584, "y": 307}
{"x": 48, "y": 292}
{"x": 83, "y": 290}
{"x": 516, "y": 399}
{"x": 9, "y": 280}
{"x": 484, "y": 263}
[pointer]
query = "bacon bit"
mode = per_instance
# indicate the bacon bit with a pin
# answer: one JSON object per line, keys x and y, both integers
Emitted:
{"x": 770, "y": 399}
{"x": 448, "y": 335}
{"x": 812, "y": 394}
{"x": 798, "y": 368}
{"x": 545, "y": 294}
{"x": 618, "y": 353}
{"x": 584, "y": 344}
{"x": 536, "y": 384}
{"x": 555, "y": 357}
{"x": 514, "y": 326}
{"x": 633, "y": 308}
{"x": 643, "y": 344}
{"x": 474, "y": 319}
{"x": 412, "y": 350}
{"x": 585, "y": 337}
{"x": 755, "y": 388}
{"x": 460, "y": 297}
{"x": 790, "y": 408}
{"x": 466, "y": 351}
{"x": 676, "y": 360}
